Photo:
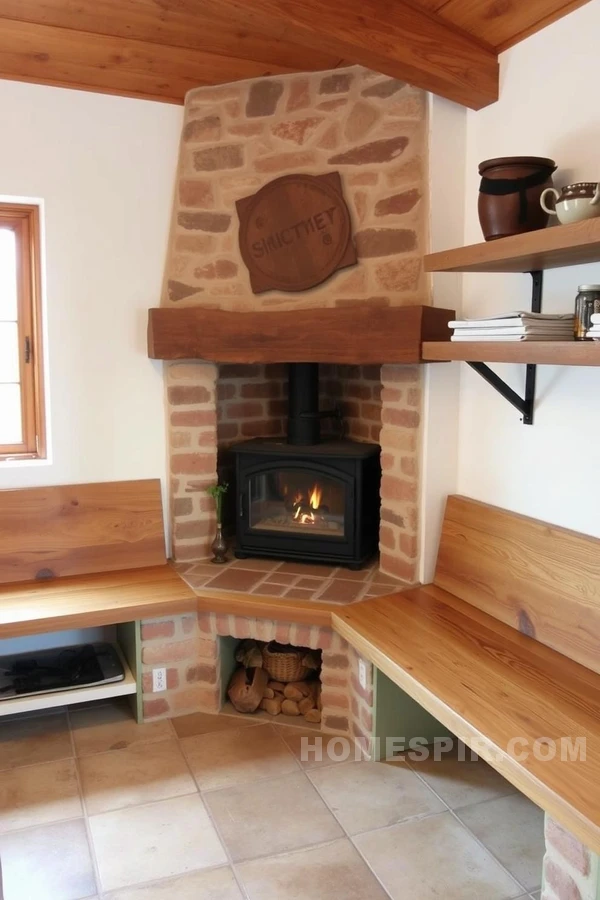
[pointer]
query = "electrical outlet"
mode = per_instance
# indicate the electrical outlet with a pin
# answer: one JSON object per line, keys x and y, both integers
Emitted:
{"x": 362, "y": 674}
{"x": 159, "y": 680}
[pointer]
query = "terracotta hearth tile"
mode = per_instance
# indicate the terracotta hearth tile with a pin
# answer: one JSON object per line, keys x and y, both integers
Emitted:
{"x": 312, "y": 584}
{"x": 198, "y": 581}
{"x": 235, "y": 580}
{"x": 299, "y": 594}
{"x": 349, "y": 575}
{"x": 342, "y": 591}
{"x": 381, "y": 578}
{"x": 258, "y": 565}
{"x": 206, "y": 568}
{"x": 307, "y": 569}
{"x": 270, "y": 590}
{"x": 381, "y": 590}
{"x": 280, "y": 578}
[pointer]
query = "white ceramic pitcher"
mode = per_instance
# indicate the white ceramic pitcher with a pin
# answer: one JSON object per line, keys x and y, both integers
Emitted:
{"x": 575, "y": 202}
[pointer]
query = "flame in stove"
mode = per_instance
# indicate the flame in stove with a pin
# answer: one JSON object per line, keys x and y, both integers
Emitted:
{"x": 316, "y": 495}
{"x": 304, "y": 514}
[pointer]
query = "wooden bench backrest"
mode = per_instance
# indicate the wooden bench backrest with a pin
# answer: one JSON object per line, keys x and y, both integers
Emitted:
{"x": 79, "y": 529}
{"x": 540, "y": 579}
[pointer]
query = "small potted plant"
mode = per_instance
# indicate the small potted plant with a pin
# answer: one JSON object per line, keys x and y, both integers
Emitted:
{"x": 218, "y": 546}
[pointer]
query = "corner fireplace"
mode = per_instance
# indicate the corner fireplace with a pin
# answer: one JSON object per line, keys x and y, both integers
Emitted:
{"x": 307, "y": 499}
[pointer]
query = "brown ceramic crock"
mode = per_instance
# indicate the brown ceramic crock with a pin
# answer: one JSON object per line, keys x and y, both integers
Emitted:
{"x": 509, "y": 194}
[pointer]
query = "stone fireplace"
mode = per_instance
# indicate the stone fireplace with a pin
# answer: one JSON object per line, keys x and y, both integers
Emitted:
{"x": 236, "y": 138}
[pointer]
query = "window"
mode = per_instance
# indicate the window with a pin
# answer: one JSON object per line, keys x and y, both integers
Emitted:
{"x": 22, "y": 432}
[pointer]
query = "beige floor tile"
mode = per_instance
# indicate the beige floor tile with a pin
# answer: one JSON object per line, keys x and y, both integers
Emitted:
{"x": 271, "y": 817}
{"x": 145, "y": 773}
{"x": 462, "y": 783}
{"x": 331, "y": 872}
{"x": 97, "y": 729}
{"x": 226, "y": 758}
{"x": 205, "y": 723}
{"x": 434, "y": 858}
{"x": 51, "y": 862}
{"x": 217, "y": 884}
{"x": 38, "y": 795}
{"x": 313, "y": 760}
{"x": 513, "y": 829}
{"x": 28, "y": 740}
{"x": 158, "y": 840}
{"x": 368, "y": 795}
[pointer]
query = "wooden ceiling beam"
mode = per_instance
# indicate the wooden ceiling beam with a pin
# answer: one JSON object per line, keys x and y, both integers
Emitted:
{"x": 174, "y": 24}
{"x": 503, "y": 25}
{"x": 59, "y": 56}
{"x": 394, "y": 38}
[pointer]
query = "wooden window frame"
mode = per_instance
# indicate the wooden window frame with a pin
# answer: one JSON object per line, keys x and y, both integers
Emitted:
{"x": 24, "y": 218}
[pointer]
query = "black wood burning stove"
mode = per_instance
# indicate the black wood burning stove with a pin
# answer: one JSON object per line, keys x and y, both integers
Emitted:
{"x": 307, "y": 499}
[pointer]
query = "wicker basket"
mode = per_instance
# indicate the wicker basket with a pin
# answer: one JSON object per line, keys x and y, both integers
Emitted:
{"x": 284, "y": 662}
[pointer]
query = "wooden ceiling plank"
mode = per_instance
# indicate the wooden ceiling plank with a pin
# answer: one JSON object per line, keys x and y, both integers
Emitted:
{"x": 179, "y": 24}
{"x": 48, "y": 55}
{"x": 503, "y": 24}
{"x": 405, "y": 42}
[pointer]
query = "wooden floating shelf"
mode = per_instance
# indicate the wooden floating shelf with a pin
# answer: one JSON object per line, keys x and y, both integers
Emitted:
{"x": 549, "y": 248}
{"x": 551, "y": 353}
{"x": 359, "y": 334}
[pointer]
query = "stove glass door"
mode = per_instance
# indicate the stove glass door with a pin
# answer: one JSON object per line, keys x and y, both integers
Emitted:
{"x": 297, "y": 501}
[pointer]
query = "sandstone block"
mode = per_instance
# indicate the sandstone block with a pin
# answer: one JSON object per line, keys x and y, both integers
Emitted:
{"x": 219, "y": 268}
{"x": 195, "y": 243}
{"x": 196, "y": 193}
{"x": 384, "y": 89}
{"x": 336, "y": 83}
{"x": 299, "y": 94}
{"x": 214, "y": 159}
{"x": 282, "y": 162}
{"x": 178, "y": 290}
{"x": 398, "y": 204}
{"x": 263, "y": 98}
{"x": 360, "y": 121}
{"x": 373, "y": 242}
{"x": 380, "y": 151}
{"x": 204, "y": 221}
{"x": 298, "y": 131}
{"x": 201, "y": 130}
{"x": 399, "y": 274}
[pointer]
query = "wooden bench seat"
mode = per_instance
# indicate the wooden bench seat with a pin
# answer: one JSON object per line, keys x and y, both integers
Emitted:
{"x": 497, "y": 689}
{"x": 86, "y": 601}
{"x": 79, "y": 556}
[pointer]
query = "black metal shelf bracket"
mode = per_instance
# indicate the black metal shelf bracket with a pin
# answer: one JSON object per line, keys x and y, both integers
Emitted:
{"x": 525, "y": 404}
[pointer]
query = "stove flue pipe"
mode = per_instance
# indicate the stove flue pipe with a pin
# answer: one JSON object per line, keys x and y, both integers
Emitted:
{"x": 304, "y": 418}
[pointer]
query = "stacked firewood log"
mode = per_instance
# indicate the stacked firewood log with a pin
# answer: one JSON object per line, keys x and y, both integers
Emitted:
{"x": 252, "y": 688}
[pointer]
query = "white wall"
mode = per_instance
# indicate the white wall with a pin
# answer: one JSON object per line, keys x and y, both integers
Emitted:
{"x": 439, "y": 451}
{"x": 548, "y": 107}
{"x": 105, "y": 169}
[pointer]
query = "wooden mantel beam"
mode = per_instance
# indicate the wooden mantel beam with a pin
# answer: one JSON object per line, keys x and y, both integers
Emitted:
{"x": 354, "y": 334}
{"x": 390, "y": 36}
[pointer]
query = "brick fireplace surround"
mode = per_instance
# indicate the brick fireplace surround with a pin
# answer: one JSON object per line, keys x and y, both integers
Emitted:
{"x": 236, "y": 138}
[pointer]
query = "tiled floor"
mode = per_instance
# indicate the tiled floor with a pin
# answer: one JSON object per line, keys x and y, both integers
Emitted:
{"x": 294, "y": 581}
{"x": 211, "y": 808}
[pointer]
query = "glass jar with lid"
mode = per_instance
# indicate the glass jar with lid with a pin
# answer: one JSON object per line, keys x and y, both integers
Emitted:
{"x": 587, "y": 303}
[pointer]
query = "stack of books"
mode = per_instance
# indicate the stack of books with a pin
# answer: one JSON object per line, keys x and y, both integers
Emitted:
{"x": 515, "y": 326}
{"x": 594, "y": 331}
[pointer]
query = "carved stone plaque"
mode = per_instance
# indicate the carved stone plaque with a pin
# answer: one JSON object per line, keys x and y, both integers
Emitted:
{"x": 295, "y": 232}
